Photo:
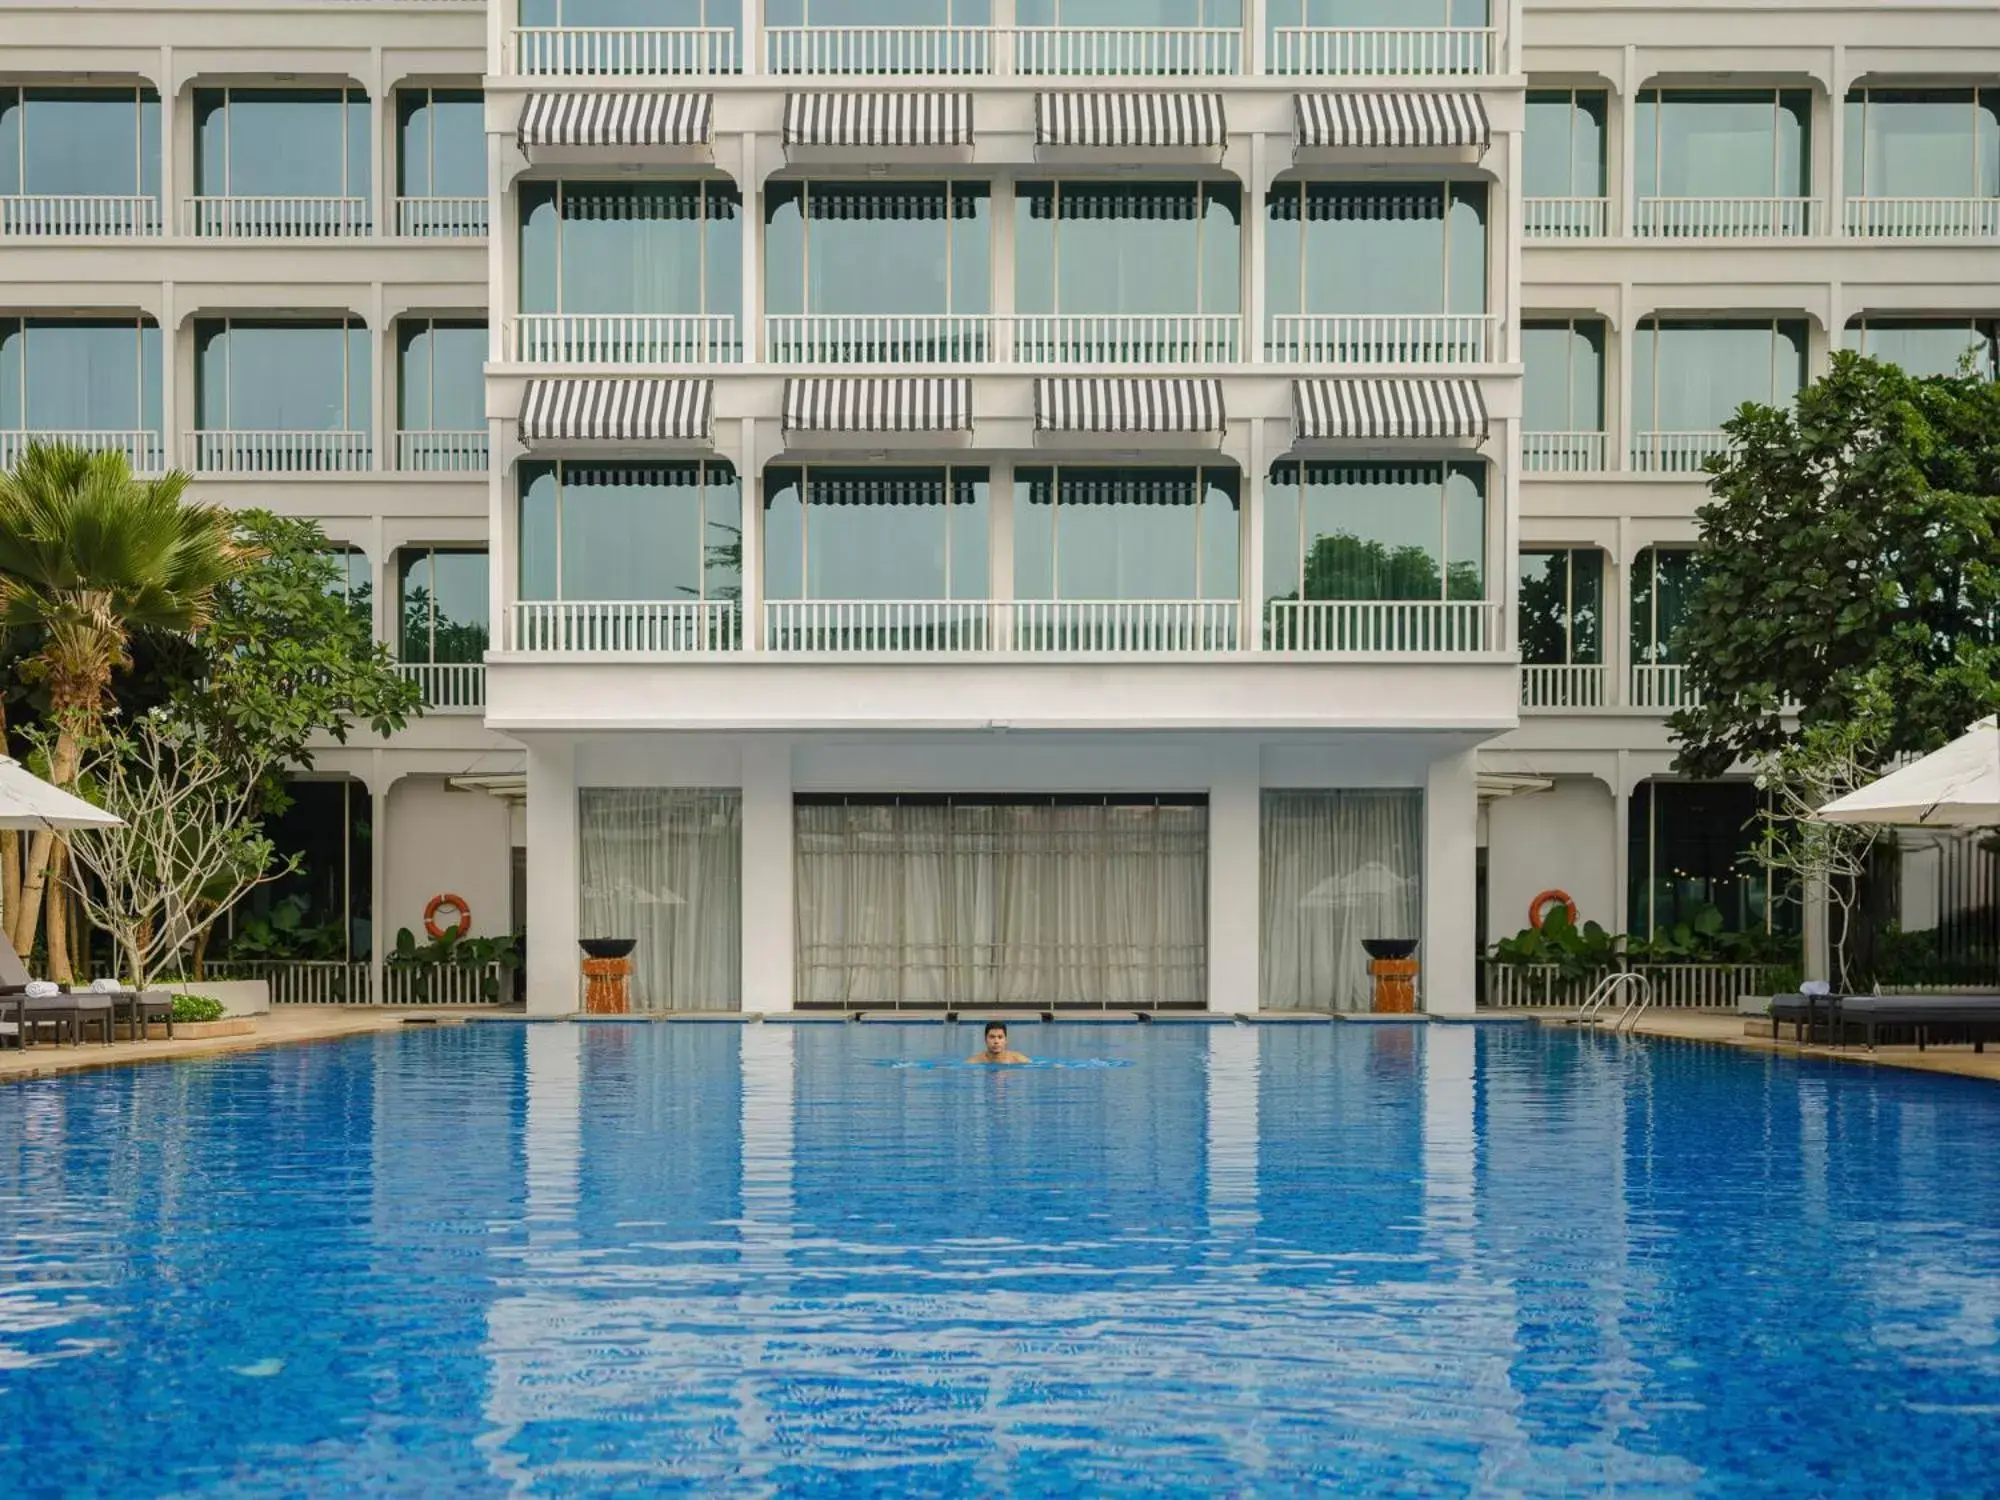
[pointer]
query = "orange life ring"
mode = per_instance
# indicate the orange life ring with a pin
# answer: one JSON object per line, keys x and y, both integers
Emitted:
{"x": 457, "y": 903}
{"x": 1538, "y": 908}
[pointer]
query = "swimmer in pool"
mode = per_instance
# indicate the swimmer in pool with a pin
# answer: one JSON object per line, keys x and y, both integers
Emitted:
{"x": 997, "y": 1050}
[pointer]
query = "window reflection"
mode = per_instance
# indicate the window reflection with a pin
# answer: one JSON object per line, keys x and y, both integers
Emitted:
{"x": 657, "y": 247}
{"x": 440, "y": 143}
{"x": 1342, "y": 247}
{"x": 443, "y": 368}
{"x": 653, "y": 532}
{"x": 1724, "y": 143}
{"x": 1564, "y": 151}
{"x": 1564, "y": 366}
{"x": 1375, "y": 531}
{"x": 80, "y": 375}
{"x": 1562, "y": 607}
{"x": 846, "y": 533}
{"x": 1093, "y": 247}
{"x": 79, "y": 141}
{"x": 442, "y": 604}
{"x": 1923, "y": 143}
{"x": 877, "y": 248}
{"x": 669, "y": 13}
{"x": 1663, "y": 583}
{"x": 1126, "y": 533}
{"x": 1930, "y": 346}
{"x": 1690, "y": 377}
{"x": 281, "y": 143}
{"x": 281, "y": 375}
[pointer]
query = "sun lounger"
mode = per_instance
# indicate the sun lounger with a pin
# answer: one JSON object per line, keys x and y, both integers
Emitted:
{"x": 97, "y": 1004}
{"x": 1928, "y": 1018}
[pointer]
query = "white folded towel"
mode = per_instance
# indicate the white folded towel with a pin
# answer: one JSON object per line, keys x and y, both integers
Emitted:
{"x": 106, "y": 987}
{"x": 41, "y": 989}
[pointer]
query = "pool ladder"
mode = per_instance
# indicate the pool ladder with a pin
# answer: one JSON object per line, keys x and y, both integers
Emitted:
{"x": 1637, "y": 990}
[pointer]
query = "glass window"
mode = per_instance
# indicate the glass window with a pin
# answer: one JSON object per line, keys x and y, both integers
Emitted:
{"x": 843, "y": 533}
{"x": 1342, "y": 247}
{"x": 1692, "y": 377}
{"x": 877, "y": 13}
{"x": 80, "y": 142}
{"x": 1564, "y": 366}
{"x": 442, "y": 604}
{"x": 1940, "y": 346}
{"x": 1375, "y": 531}
{"x": 651, "y": 247}
{"x": 1923, "y": 143}
{"x": 860, "y": 248}
{"x": 440, "y": 143}
{"x": 1562, "y": 607}
{"x": 1126, "y": 533}
{"x": 355, "y": 582}
{"x": 1564, "y": 153}
{"x": 1195, "y": 13}
{"x": 1378, "y": 13}
{"x": 80, "y": 375}
{"x": 443, "y": 376}
{"x": 281, "y": 143}
{"x": 1111, "y": 248}
{"x": 1663, "y": 584}
{"x": 1690, "y": 844}
{"x": 668, "y": 13}
{"x": 1751, "y": 143}
{"x": 281, "y": 375}
{"x": 642, "y": 532}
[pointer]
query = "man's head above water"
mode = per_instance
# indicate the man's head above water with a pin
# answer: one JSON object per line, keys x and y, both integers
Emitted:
{"x": 996, "y": 1049}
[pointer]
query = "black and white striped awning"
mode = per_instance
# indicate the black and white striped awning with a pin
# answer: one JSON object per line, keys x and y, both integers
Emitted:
{"x": 1119, "y": 120}
{"x": 1125, "y": 405}
{"x": 1395, "y": 410}
{"x": 617, "y": 120}
{"x": 911, "y": 404}
{"x": 646, "y": 410}
{"x": 878, "y": 120}
{"x": 1390, "y": 120}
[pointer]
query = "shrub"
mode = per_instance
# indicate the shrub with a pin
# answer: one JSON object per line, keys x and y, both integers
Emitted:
{"x": 196, "y": 1008}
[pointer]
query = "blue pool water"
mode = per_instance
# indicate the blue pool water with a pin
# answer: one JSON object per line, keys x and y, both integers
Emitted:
{"x": 561, "y": 1260}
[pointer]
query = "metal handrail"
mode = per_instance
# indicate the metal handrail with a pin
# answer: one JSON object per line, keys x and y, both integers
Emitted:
{"x": 1591, "y": 1012}
{"x": 1637, "y": 1006}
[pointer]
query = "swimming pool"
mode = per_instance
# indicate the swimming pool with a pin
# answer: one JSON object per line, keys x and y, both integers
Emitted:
{"x": 565, "y": 1260}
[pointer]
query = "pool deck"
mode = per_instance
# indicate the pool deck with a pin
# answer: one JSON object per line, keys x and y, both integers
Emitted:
{"x": 316, "y": 1023}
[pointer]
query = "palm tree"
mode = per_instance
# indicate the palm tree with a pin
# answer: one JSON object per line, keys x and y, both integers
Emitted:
{"x": 88, "y": 556}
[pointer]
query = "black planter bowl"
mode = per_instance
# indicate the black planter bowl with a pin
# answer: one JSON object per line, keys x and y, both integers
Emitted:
{"x": 607, "y": 947}
{"x": 1388, "y": 947}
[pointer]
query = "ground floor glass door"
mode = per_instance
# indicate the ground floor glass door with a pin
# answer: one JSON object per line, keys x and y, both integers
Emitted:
{"x": 983, "y": 901}
{"x": 664, "y": 866}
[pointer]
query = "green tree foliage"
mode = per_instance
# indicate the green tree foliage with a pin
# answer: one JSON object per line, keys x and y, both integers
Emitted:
{"x": 1849, "y": 548}
{"x": 1344, "y": 566}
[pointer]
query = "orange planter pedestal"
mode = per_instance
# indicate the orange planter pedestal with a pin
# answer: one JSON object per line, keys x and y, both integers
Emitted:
{"x": 607, "y": 986}
{"x": 1395, "y": 985}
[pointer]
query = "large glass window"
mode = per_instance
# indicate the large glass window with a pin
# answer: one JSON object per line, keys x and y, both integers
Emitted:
{"x": 1562, "y": 607}
{"x": 876, "y": 533}
{"x": 1691, "y": 377}
{"x": 1127, "y": 533}
{"x": 641, "y": 532}
{"x": 877, "y": 249}
{"x": 1691, "y": 845}
{"x": 281, "y": 143}
{"x": 648, "y": 247}
{"x": 664, "y": 866}
{"x": 1564, "y": 367}
{"x": 1930, "y": 346}
{"x": 1203, "y": 13}
{"x": 442, "y": 365}
{"x": 440, "y": 143}
{"x": 1337, "y": 869}
{"x": 355, "y": 584}
{"x": 663, "y": 13}
{"x": 1724, "y": 143}
{"x": 877, "y": 13}
{"x": 1395, "y": 14}
{"x": 80, "y": 142}
{"x": 1107, "y": 248}
{"x": 1375, "y": 531}
{"x": 1564, "y": 155}
{"x": 442, "y": 604}
{"x": 80, "y": 375}
{"x": 1664, "y": 580}
{"x": 1923, "y": 143}
{"x": 256, "y": 375}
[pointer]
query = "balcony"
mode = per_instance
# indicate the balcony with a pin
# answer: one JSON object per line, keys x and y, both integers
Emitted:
{"x": 1117, "y": 627}
{"x": 1423, "y": 627}
{"x": 1565, "y": 218}
{"x": 621, "y": 51}
{"x": 1567, "y": 685}
{"x": 1726, "y": 218}
{"x": 1662, "y": 687}
{"x": 438, "y": 452}
{"x": 441, "y": 218}
{"x": 1169, "y": 51}
{"x": 1565, "y": 452}
{"x": 276, "y": 218}
{"x": 144, "y": 451}
{"x": 1676, "y": 452}
{"x": 1127, "y": 338}
{"x": 642, "y": 627}
{"x": 1384, "y": 50}
{"x": 73, "y": 216}
{"x": 622, "y": 339}
{"x": 1383, "y": 339}
{"x": 879, "y": 49}
{"x": 243, "y": 452}
{"x": 450, "y": 687}
{"x": 880, "y": 339}
{"x": 1923, "y": 218}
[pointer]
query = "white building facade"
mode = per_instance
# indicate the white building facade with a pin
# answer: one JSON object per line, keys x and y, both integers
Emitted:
{"x": 991, "y": 501}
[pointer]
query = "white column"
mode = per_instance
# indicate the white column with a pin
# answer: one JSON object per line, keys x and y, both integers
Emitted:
{"x": 378, "y": 880}
{"x": 1817, "y": 932}
{"x": 552, "y": 1134}
{"x": 1621, "y": 848}
{"x": 1626, "y": 420}
{"x": 169, "y": 375}
{"x": 378, "y": 146}
{"x": 1836, "y": 134}
{"x": 1003, "y": 272}
{"x": 1254, "y": 253}
{"x": 1451, "y": 885}
{"x": 1235, "y": 809}
{"x": 1625, "y": 191}
{"x": 170, "y": 146}
{"x": 750, "y": 592}
{"x": 552, "y": 878}
{"x": 1256, "y": 482}
{"x": 1233, "y": 1098}
{"x": 750, "y": 183}
{"x": 769, "y": 968}
{"x": 751, "y": 62}
{"x": 382, "y": 360}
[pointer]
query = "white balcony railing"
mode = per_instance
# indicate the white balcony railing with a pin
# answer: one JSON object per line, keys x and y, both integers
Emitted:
{"x": 144, "y": 451}
{"x": 1382, "y": 626}
{"x": 442, "y": 452}
{"x": 448, "y": 686}
{"x": 1383, "y": 339}
{"x": 303, "y": 981}
{"x": 276, "y": 218}
{"x": 238, "y": 452}
{"x": 623, "y": 338}
{"x": 1124, "y": 627}
{"x": 1675, "y": 452}
{"x": 441, "y": 218}
{"x": 879, "y": 339}
{"x": 597, "y": 51}
{"x": 1725, "y": 218}
{"x": 657, "y": 627}
{"x": 1565, "y": 685}
{"x": 878, "y": 626}
{"x": 1127, "y": 338}
{"x": 1175, "y": 51}
{"x": 1565, "y": 452}
{"x": 1565, "y": 218}
{"x": 878, "y": 49}
{"x": 1383, "y": 49}
{"x": 1924, "y": 218}
{"x": 1662, "y": 687}
{"x": 62, "y": 215}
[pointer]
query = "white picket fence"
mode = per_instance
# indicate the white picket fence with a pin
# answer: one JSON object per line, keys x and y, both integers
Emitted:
{"x": 1674, "y": 986}
{"x": 337, "y": 982}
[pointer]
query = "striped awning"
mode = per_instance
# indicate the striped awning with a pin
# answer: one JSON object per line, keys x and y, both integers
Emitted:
{"x": 1123, "y": 405}
{"x": 1369, "y": 410}
{"x": 1119, "y": 120}
{"x": 878, "y": 120}
{"x": 1390, "y": 120}
{"x": 617, "y": 120}
{"x": 648, "y": 410}
{"x": 915, "y": 404}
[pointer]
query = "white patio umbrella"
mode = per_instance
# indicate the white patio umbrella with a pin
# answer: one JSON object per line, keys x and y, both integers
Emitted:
{"x": 27, "y": 801}
{"x": 1956, "y": 787}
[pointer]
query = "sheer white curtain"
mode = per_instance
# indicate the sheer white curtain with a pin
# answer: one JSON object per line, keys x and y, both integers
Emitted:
{"x": 969, "y": 904}
{"x": 665, "y": 865}
{"x": 1338, "y": 866}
